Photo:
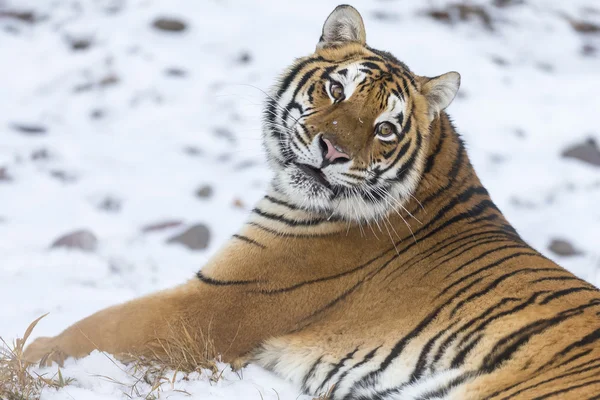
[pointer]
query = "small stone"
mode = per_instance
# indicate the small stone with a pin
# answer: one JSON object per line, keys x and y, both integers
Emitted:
{"x": 109, "y": 80}
{"x": 244, "y": 58}
{"x": 162, "y": 225}
{"x": 83, "y": 240}
{"x": 23, "y": 16}
{"x": 193, "y": 151}
{"x": 499, "y": 61}
{"x": 204, "y": 192}
{"x": 238, "y": 203}
{"x": 244, "y": 165}
{"x": 585, "y": 27}
{"x": 4, "y": 176}
{"x": 97, "y": 113}
{"x": 176, "y": 72}
{"x": 385, "y": 16}
{"x": 196, "y": 237}
{"x": 497, "y": 158}
{"x": 520, "y": 133}
{"x": 29, "y": 129}
{"x": 79, "y": 44}
{"x": 110, "y": 204}
{"x": 587, "y": 152}
{"x": 546, "y": 67}
{"x": 563, "y": 248}
{"x": 440, "y": 15}
{"x": 169, "y": 24}
{"x": 522, "y": 203}
{"x": 40, "y": 155}
{"x": 589, "y": 50}
{"x": 508, "y": 3}
{"x": 63, "y": 176}
{"x": 225, "y": 134}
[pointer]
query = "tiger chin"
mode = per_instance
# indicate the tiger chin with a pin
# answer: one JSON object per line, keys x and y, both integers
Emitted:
{"x": 376, "y": 266}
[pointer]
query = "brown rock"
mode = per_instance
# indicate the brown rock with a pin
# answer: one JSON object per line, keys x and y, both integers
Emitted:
{"x": 563, "y": 248}
{"x": 78, "y": 43}
{"x": 29, "y": 129}
{"x": 40, "y": 155}
{"x": 110, "y": 204}
{"x": 176, "y": 72}
{"x": 4, "y": 176}
{"x": 508, "y": 3}
{"x": 162, "y": 225}
{"x": 204, "y": 192}
{"x": 585, "y": 27}
{"x": 63, "y": 176}
{"x": 81, "y": 240}
{"x": 23, "y": 16}
{"x": 587, "y": 152}
{"x": 244, "y": 58}
{"x": 196, "y": 237}
{"x": 169, "y": 24}
{"x": 238, "y": 203}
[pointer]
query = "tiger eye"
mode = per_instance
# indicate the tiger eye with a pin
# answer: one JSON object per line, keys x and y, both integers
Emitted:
{"x": 337, "y": 91}
{"x": 385, "y": 130}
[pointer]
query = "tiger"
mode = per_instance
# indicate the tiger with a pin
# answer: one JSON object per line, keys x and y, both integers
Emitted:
{"x": 376, "y": 266}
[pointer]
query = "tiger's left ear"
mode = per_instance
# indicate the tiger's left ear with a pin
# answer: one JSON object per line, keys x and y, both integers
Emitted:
{"x": 344, "y": 24}
{"x": 439, "y": 92}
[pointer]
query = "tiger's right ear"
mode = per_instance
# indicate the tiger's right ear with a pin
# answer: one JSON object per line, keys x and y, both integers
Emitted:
{"x": 343, "y": 25}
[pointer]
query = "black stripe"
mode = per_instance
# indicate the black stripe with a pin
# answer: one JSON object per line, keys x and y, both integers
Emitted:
{"x": 507, "y": 346}
{"x": 310, "y": 373}
{"x": 558, "y": 278}
{"x": 443, "y": 391}
{"x": 489, "y": 319}
{"x": 432, "y": 157}
{"x": 365, "y": 360}
{"x": 215, "y": 282}
{"x": 281, "y": 203}
{"x": 575, "y": 357}
{"x": 292, "y": 74}
{"x": 450, "y": 339}
{"x": 487, "y": 267}
{"x": 335, "y": 369}
{"x": 568, "y": 389}
{"x": 303, "y": 81}
{"x": 585, "y": 341}
{"x": 495, "y": 283}
{"x": 565, "y": 292}
{"x": 248, "y": 240}
{"x": 537, "y": 385}
{"x": 287, "y": 221}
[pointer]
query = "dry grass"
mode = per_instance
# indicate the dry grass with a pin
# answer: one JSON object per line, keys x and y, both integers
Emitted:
{"x": 180, "y": 352}
{"x": 177, "y": 354}
{"x": 326, "y": 396}
{"x": 183, "y": 350}
{"x": 17, "y": 382}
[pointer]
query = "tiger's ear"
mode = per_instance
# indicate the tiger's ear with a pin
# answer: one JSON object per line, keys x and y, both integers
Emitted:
{"x": 439, "y": 92}
{"x": 344, "y": 24}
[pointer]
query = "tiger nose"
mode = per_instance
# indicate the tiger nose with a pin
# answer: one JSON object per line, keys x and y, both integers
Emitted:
{"x": 331, "y": 154}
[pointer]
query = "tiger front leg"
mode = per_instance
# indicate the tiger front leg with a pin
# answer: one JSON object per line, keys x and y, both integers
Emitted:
{"x": 149, "y": 326}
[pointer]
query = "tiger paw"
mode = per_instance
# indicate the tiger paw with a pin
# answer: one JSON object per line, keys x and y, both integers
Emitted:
{"x": 240, "y": 362}
{"x": 45, "y": 351}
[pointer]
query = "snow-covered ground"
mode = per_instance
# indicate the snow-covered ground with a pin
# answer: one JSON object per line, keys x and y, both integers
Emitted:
{"x": 111, "y": 125}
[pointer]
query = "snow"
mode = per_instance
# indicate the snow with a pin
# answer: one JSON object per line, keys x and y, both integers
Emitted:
{"x": 120, "y": 128}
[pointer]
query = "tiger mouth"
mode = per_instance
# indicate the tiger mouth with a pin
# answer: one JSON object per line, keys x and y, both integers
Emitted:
{"x": 315, "y": 174}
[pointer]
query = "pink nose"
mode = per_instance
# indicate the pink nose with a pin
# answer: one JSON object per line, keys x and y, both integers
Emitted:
{"x": 330, "y": 153}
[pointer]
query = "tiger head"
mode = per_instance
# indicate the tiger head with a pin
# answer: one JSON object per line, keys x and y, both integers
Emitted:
{"x": 347, "y": 128}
